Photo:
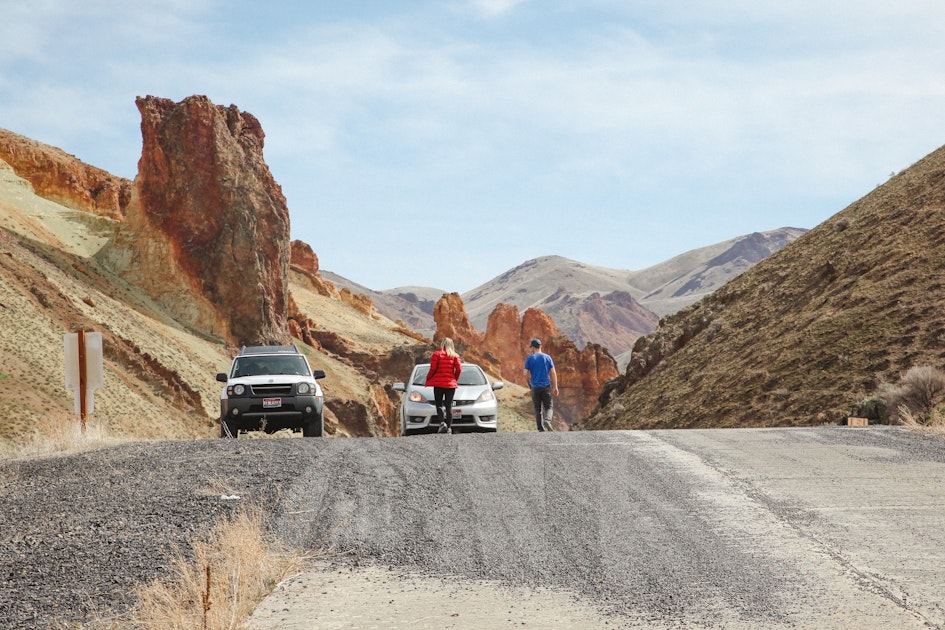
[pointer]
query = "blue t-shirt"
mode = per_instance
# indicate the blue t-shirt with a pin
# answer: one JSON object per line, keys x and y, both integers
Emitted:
{"x": 538, "y": 366}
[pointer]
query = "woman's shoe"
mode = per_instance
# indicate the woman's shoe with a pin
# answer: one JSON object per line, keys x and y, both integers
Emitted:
{"x": 443, "y": 428}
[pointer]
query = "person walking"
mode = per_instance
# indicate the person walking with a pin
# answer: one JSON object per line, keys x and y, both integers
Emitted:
{"x": 445, "y": 368}
{"x": 543, "y": 381}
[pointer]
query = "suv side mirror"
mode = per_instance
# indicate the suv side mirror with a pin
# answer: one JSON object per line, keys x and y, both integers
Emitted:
{"x": 222, "y": 377}
{"x": 317, "y": 374}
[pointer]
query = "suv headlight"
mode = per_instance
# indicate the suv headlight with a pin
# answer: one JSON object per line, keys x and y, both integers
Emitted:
{"x": 485, "y": 396}
{"x": 304, "y": 389}
{"x": 239, "y": 390}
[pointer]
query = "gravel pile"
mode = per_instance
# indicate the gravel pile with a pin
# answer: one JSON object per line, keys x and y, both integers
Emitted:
{"x": 78, "y": 532}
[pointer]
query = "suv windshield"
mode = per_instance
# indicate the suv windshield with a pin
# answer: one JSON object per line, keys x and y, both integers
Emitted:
{"x": 471, "y": 375}
{"x": 263, "y": 365}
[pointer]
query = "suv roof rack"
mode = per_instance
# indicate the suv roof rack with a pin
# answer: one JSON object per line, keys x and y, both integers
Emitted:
{"x": 245, "y": 350}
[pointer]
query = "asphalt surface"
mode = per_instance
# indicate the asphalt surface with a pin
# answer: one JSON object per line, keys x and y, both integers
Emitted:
{"x": 828, "y": 527}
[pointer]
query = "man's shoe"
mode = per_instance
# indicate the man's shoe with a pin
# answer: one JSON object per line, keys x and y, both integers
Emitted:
{"x": 547, "y": 425}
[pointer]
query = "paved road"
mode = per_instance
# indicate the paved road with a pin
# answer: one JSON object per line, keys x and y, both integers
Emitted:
{"x": 829, "y": 527}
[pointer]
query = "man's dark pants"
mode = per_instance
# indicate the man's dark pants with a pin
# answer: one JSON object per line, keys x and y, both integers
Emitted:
{"x": 541, "y": 398}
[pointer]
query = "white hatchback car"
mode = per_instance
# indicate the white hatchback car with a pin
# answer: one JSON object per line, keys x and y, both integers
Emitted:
{"x": 475, "y": 407}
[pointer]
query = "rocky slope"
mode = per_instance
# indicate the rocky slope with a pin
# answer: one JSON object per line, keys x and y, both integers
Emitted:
{"x": 589, "y": 303}
{"x": 809, "y": 333}
{"x": 143, "y": 274}
{"x": 504, "y": 346}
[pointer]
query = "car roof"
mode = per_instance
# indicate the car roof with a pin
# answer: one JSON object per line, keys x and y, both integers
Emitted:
{"x": 257, "y": 350}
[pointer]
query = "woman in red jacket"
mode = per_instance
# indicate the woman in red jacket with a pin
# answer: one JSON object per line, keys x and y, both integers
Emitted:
{"x": 445, "y": 368}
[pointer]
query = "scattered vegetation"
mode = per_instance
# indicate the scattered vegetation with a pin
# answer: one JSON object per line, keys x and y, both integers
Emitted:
{"x": 218, "y": 585}
{"x": 918, "y": 399}
{"x": 56, "y": 433}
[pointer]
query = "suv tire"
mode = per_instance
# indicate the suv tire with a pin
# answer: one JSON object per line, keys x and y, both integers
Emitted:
{"x": 313, "y": 428}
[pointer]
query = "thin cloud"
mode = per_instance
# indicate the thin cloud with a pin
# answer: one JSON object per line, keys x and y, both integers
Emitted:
{"x": 494, "y": 8}
{"x": 626, "y": 110}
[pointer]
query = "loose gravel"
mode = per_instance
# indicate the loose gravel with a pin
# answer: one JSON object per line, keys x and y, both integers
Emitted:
{"x": 652, "y": 529}
{"x": 78, "y": 532}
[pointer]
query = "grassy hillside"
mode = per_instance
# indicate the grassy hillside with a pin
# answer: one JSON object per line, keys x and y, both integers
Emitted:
{"x": 810, "y": 332}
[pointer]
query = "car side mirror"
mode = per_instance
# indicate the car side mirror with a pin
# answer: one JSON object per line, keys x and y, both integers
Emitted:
{"x": 317, "y": 374}
{"x": 222, "y": 377}
{"x": 498, "y": 385}
{"x": 399, "y": 387}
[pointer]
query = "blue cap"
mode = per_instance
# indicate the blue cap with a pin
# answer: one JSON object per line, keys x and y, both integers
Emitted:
{"x": 536, "y": 343}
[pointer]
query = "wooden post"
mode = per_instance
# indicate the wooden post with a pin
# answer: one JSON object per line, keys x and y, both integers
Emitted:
{"x": 83, "y": 415}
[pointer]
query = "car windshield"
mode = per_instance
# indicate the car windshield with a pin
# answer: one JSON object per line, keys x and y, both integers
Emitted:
{"x": 259, "y": 366}
{"x": 471, "y": 375}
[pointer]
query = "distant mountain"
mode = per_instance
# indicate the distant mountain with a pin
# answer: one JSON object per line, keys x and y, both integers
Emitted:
{"x": 411, "y": 305}
{"x": 687, "y": 278}
{"x": 589, "y": 303}
{"x": 810, "y": 334}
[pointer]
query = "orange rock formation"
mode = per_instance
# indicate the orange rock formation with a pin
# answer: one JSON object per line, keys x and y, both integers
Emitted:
{"x": 207, "y": 230}
{"x": 504, "y": 347}
{"x": 64, "y": 179}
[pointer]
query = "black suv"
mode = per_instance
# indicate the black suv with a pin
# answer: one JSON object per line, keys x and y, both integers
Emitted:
{"x": 270, "y": 388}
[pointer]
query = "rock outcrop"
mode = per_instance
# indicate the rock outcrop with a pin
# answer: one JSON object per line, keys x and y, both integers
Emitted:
{"x": 451, "y": 319}
{"x": 63, "y": 178}
{"x": 304, "y": 261}
{"x": 206, "y": 233}
{"x": 581, "y": 373}
{"x": 504, "y": 347}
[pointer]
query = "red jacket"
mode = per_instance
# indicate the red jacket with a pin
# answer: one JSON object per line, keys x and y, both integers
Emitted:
{"x": 444, "y": 370}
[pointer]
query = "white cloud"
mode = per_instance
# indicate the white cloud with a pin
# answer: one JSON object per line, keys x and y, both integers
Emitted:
{"x": 494, "y": 8}
{"x": 612, "y": 103}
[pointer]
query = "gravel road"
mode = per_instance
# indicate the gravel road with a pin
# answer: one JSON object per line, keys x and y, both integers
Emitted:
{"x": 796, "y": 528}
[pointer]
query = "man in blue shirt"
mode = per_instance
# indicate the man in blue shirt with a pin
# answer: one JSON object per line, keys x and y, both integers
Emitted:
{"x": 543, "y": 380}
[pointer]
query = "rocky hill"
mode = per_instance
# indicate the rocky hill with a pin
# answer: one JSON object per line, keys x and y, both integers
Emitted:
{"x": 191, "y": 260}
{"x": 810, "y": 333}
{"x": 592, "y": 304}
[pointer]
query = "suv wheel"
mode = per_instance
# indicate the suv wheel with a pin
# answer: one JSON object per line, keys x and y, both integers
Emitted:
{"x": 312, "y": 428}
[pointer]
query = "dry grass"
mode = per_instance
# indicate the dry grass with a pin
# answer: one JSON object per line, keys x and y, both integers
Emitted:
{"x": 217, "y": 587}
{"x": 59, "y": 433}
{"x": 933, "y": 422}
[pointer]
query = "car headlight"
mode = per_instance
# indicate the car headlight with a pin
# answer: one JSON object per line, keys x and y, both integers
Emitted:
{"x": 238, "y": 390}
{"x": 304, "y": 388}
{"x": 416, "y": 397}
{"x": 485, "y": 396}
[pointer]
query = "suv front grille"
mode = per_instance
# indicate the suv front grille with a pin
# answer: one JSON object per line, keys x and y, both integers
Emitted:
{"x": 272, "y": 390}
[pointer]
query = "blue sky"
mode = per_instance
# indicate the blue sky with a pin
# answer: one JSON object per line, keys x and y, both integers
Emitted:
{"x": 443, "y": 143}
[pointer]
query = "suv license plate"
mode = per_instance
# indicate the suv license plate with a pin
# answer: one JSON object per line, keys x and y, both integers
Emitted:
{"x": 272, "y": 402}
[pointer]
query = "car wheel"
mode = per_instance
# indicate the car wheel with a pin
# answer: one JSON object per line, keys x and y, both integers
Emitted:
{"x": 312, "y": 428}
{"x": 228, "y": 431}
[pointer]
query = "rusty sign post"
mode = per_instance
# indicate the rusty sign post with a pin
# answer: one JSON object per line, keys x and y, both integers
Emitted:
{"x": 84, "y": 369}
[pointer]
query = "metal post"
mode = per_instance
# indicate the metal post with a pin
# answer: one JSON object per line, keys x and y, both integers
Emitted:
{"x": 83, "y": 416}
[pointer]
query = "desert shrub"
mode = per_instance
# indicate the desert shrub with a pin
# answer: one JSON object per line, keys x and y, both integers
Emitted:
{"x": 880, "y": 407}
{"x": 921, "y": 388}
{"x": 912, "y": 401}
{"x": 231, "y": 571}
